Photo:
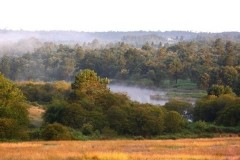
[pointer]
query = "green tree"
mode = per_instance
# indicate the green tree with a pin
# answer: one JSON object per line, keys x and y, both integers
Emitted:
{"x": 12, "y": 108}
{"x": 146, "y": 47}
{"x": 219, "y": 51}
{"x": 229, "y": 54}
{"x": 182, "y": 107}
{"x": 218, "y": 46}
{"x": 88, "y": 85}
{"x": 117, "y": 118}
{"x": 54, "y": 112}
{"x": 236, "y": 87}
{"x": 145, "y": 120}
{"x": 72, "y": 115}
{"x": 5, "y": 66}
{"x": 56, "y": 131}
{"x": 229, "y": 116}
{"x": 205, "y": 109}
{"x": 229, "y": 75}
{"x": 218, "y": 90}
{"x": 173, "y": 121}
{"x": 176, "y": 68}
{"x": 8, "y": 128}
{"x": 204, "y": 80}
{"x": 87, "y": 129}
{"x": 209, "y": 108}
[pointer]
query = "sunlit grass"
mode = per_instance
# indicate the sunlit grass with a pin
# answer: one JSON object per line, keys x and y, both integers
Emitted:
{"x": 35, "y": 115}
{"x": 185, "y": 149}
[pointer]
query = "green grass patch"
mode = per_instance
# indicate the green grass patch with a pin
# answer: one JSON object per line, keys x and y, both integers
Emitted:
{"x": 181, "y": 84}
{"x": 184, "y": 94}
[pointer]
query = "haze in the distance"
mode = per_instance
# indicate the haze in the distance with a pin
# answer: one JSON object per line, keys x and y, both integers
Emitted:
{"x": 121, "y": 15}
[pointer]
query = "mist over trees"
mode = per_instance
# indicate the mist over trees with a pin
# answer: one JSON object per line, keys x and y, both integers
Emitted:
{"x": 135, "y": 38}
{"x": 88, "y": 107}
{"x": 203, "y": 62}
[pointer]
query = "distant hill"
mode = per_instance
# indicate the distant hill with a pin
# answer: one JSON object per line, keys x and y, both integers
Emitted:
{"x": 112, "y": 36}
{"x": 18, "y": 42}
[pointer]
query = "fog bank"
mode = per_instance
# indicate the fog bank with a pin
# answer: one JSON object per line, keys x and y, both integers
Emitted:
{"x": 141, "y": 95}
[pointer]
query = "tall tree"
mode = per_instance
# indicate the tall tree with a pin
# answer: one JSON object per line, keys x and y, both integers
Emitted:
{"x": 88, "y": 85}
{"x": 229, "y": 54}
{"x": 13, "y": 112}
{"x": 175, "y": 68}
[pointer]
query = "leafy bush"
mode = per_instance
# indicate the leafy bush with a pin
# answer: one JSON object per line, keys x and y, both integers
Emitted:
{"x": 108, "y": 133}
{"x": 218, "y": 90}
{"x": 44, "y": 93}
{"x": 56, "y": 131}
{"x": 223, "y": 110}
{"x": 144, "y": 120}
{"x": 200, "y": 125}
{"x": 35, "y": 134}
{"x": 87, "y": 129}
{"x": 13, "y": 111}
{"x": 173, "y": 121}
{"x": 7, "y": 128}
{"x": 182, "y": 107}
{"x": 229, "y": 116}
{"x": 10, "y": 129}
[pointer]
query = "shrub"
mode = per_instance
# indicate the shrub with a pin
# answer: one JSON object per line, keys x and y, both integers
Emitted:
{"x": 201, "y": 125}
{"x": 173, "y": 121}
{"x": 56, "y": 131}
{"x": 87, "y": 129}
{"x": 35, "y": 134}
{"x": 229, "y": 116}
{"x": 218, "y": 90}
{"x": 13, "y": 111}
{"x": 108, "y": 132}
{"x": 182, "y": 107}
{"x": 7, "y": 128}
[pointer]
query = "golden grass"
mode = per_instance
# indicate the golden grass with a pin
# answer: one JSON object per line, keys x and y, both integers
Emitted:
{"x": 185, "y": 149}
{"x": 35, "y": 115}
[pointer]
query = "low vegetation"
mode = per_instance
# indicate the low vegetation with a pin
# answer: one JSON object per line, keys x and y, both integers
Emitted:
{"x": 185, "y": 149}
{"x": 81, "y": 106}
{"x": 89, "y": 110}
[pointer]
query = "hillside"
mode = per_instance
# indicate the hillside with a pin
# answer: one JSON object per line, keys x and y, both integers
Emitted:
{"x": 114, "y": 36}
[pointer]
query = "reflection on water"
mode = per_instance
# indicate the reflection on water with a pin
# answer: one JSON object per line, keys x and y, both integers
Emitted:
{"x": 138, "y": 94}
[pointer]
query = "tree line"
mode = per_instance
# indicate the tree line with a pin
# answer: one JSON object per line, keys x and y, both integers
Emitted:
{"x": 89, "y": 108}
{"x": 203, "y": 62}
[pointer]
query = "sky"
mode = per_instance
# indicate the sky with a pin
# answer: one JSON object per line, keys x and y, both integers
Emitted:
{"x": 121, "y": 15}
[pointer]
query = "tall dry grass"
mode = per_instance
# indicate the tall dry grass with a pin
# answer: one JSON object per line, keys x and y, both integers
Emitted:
{"x": 35, "y": 115}
{"x": 185, "y": 149}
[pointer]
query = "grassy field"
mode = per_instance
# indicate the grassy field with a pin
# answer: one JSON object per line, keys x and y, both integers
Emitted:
{"x": 184, "y": 149}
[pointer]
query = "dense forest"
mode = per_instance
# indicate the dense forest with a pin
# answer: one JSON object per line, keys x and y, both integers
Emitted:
{"x": 202, "y": 62}
{"x": 70, "y": 82}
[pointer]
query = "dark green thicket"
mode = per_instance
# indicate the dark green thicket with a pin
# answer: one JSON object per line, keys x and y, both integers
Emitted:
{"x": 56, "y": 131}
{"x": 91, "y": 107}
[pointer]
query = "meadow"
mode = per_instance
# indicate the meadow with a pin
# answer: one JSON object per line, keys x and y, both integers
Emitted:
{"x": 184, "y": 149}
